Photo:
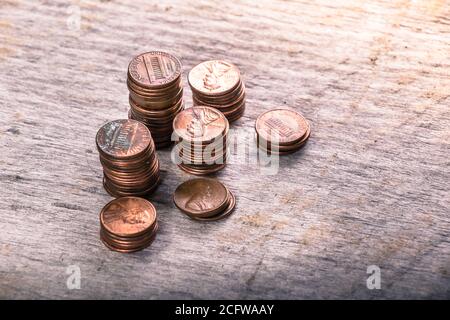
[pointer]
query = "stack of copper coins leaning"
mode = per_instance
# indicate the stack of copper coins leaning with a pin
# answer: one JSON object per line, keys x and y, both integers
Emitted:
{"x": 156, "y": 93}
{"x": 201, "y": 134}
{"x": 218, "y": 84}
{"x": 204, "y": 199}
{"x": 127, "y": 154}
{"x": 128, "y": 224}
{"x": 281, "y": 131}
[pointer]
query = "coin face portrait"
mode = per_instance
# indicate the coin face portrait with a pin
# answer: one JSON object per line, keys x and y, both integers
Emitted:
{"x": 284, "y": 126}
{"x": 199, "y": 124}
{"x": 214, "y": 77}
{"x": 123, "y": 138}
{"x": 201, "y": 195}
{"x": 154, "y": 68}
{"x": 128, "y": 216}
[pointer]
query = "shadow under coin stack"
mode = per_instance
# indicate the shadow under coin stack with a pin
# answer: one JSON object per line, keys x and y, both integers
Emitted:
{"x": 281, "y": 131}
{"x": 204, "y": 199}
{"x": 202, "y": 140}
{"x": 128, "y": 224}
{"x": 156, "y": 93}
{"x": 218, "y": 84}
{"x": 127, "y": 154}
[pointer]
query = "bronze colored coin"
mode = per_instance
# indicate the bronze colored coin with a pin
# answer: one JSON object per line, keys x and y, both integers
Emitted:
{"x": 284, "y": 150}
{"x": 123, "y": 138}
{"x": 227, "y": 99}
{"x": 155, "y": 92}
{"x": 215, "y": 77}
{"x": 236, "y": 116}
{"x": 200, "y": 124}
{"x": 282, "y": 126}
{"x": 129, "y": 250}
{"x": 144, "y": 112}
{"x": 127, "y": 240}
{"x": 154, "y": 69}
{"x": 228, "y": 211}
{"x": 200, "y": 196}
{"x": 128, "y": 216}
{"x": 162, "y": 104}
{"x": 205, "y": 169}
{"x": 282, "y": 153}
{"x": 286, "y": 147}
{"x": 131, "y": 242}
{"x": 145, "y": 178}
{"x": 131, "y": 246}
{"x": 114, "y": 192}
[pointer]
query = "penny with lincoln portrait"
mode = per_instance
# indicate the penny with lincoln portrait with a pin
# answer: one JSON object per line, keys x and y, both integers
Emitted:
{"x": 215, "y": 77}
{"x": 128, "y": 224}
{"x": 204, "y": 198}
{"x": 218, "y": 84}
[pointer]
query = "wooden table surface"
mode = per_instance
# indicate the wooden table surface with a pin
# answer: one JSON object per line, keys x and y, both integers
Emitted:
{"x": 370, "y": 188}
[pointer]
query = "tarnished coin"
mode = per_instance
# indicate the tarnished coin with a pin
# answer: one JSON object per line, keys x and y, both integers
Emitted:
{"x": 200, "y": 124}
{"x": 123, "y": 138}
{"x": 215, "y": 77}
{"x": 128, "y": 216}
{"x": 154, "y": 69}
{"x": 281, "y": 126}
{"x": 231, "y": 203}
{"x": 201, "y": 197}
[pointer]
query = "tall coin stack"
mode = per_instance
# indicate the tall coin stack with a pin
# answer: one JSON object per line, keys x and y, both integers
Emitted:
{"x": 156, "y": 93}
{"x": 127, "y": 154}
{"x": 128, "y": 224}
{"x": 218, "y": 84}
{"x": 202, "y": 140}
{"x": 281, "y": 131}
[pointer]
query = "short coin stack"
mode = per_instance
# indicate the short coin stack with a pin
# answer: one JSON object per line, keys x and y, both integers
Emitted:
{"x": 128, "y": 224}
{"x": 156, "y": 93}
{"x": 281, "y": 131}
{"x": 127, "y": 154}
{"x": 218, "y": 84}
{"x": 202, "y": 140}
{"x": 204, "y": 199}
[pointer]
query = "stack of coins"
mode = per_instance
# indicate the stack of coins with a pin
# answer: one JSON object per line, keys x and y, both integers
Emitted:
{"x": 202, "y": 140}
{"x": 281, "y": 131}
{"x": 204, "y": 199}
{"x": 218, "y": 84}
{"x": 156, "y": 93}
{"x": 128, "y": 224}
{"x": 127, "y": 154}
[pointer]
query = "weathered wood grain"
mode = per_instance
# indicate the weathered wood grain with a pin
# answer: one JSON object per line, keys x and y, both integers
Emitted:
{"x": 370, "y": 188}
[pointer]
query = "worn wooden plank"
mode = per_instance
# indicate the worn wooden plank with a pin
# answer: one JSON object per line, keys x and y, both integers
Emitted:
{"x": 370, "y": 188}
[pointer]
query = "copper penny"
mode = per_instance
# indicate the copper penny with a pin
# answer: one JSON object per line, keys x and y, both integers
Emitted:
{"x": 128, "y": 250}
{"x": 200, "y": 124}
{"x": 200, "y": 196}
{"x": 154, "y": 69}
{"x": 228, "y": 210}
{"x": 282, "y": 126}
{"x": 128, "y": 216}
{"x": 205, "y": 169}
{"x": 123, "y": 138}
{"x": 215, "y": 77}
